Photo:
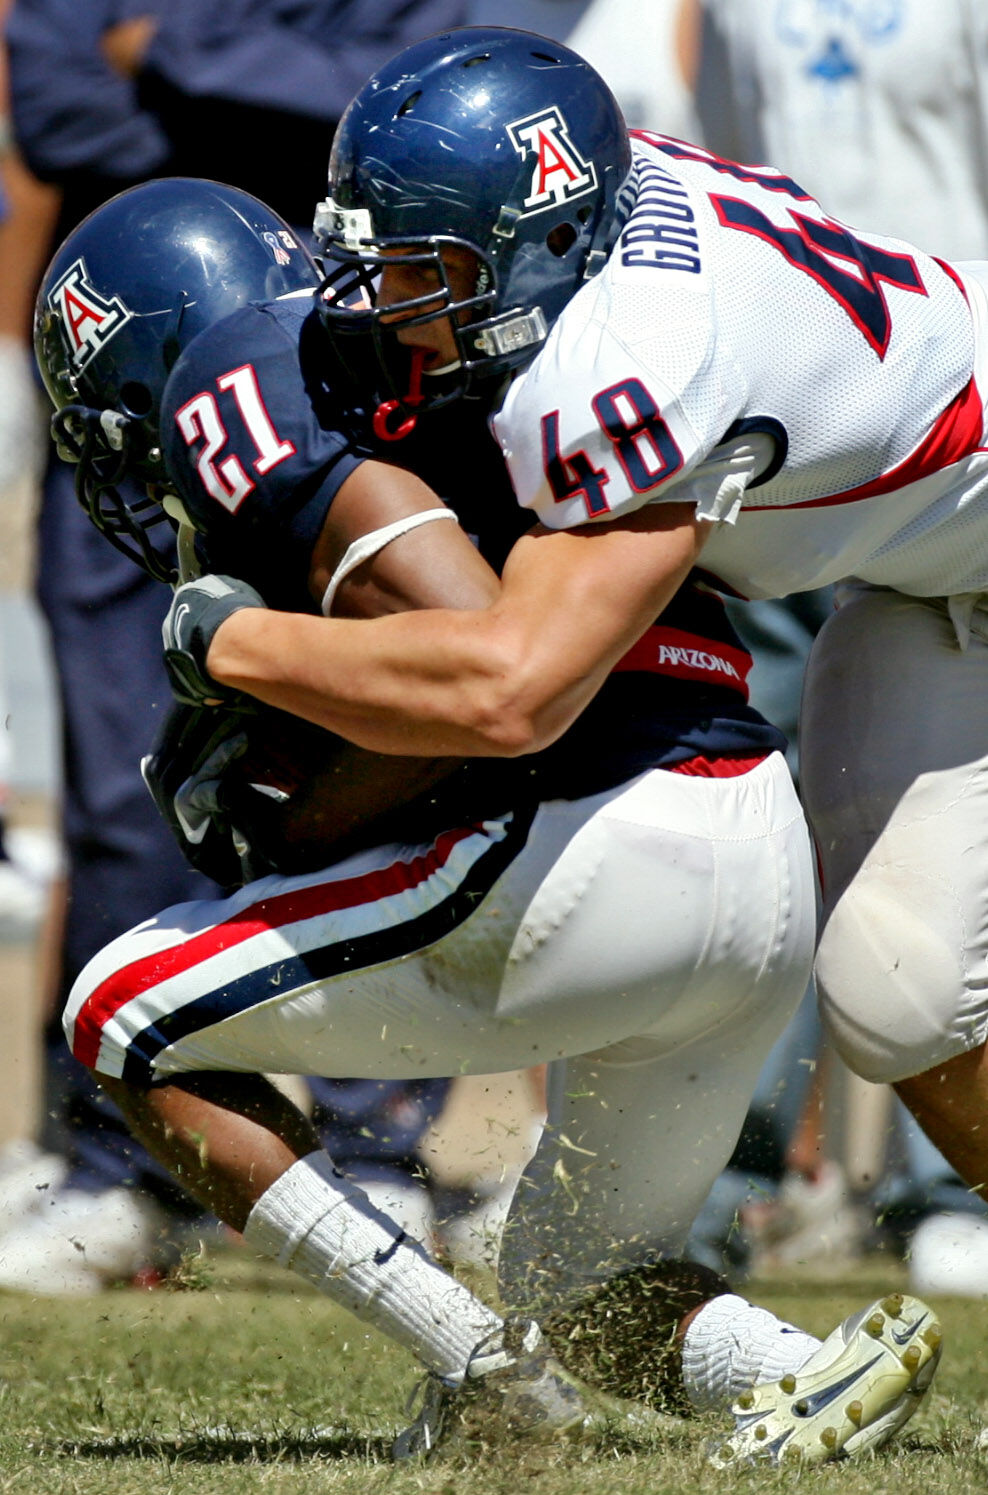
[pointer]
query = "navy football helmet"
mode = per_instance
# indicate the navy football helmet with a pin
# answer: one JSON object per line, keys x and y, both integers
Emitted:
{"x": 490, "y": 138}
{"x": 126, "y": 292}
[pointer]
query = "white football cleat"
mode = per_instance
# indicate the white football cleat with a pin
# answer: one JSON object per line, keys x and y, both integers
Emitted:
{"x": 31, "y": 862}
{"x": 852, "y": 1396}
{"x": 512, "y": 1389}
{"x": 23, "y": 901}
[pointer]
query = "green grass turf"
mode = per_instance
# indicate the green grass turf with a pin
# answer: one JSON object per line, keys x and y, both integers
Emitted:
{"x": 253, "y": 1383}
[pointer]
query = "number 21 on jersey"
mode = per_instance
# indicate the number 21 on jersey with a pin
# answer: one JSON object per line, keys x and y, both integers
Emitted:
{"x": 199, "y": 419}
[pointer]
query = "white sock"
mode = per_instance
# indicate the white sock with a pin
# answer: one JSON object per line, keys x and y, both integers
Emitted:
{"x": 326, "y": 1229}
{"x": 732, "y": 1345}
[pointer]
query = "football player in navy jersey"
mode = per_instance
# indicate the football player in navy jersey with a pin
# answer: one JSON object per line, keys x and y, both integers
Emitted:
{"x": 623, "y": 891}
{"x": 101, "y": 96}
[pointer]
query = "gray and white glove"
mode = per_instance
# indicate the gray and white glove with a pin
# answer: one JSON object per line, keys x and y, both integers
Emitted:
{"x": 197, "y": 799}
{"x": 194, "y": 748}
{"x": 196, "y": 612}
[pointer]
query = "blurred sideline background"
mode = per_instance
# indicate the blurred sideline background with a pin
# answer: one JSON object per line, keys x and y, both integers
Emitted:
{"x": 30, "y": 725}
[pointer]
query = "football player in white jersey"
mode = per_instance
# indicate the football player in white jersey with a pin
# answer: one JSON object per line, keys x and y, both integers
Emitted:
{"x": 690, "y": 358}
{"x": 535, "y": 267}
{"x": 880, "y": 112}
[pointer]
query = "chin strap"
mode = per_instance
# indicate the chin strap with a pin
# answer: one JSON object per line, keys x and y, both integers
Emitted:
{"x": 185, "y": 541}
{"x": 382, "y": 415}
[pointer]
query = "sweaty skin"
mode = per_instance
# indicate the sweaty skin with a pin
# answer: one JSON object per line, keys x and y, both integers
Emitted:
{"x": 499, "y": 681}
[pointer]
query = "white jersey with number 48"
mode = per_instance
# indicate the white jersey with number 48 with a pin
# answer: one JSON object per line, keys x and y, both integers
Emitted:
{"x": 814, "y": 392}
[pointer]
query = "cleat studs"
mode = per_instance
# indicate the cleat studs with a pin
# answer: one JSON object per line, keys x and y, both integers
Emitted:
{"x": 801, "y": 1407}
{"x": 912, "y": 1357}
{"x": 725, "y": 1453}
{"x": 788, "y": 1384}
{"x": 875, "y": 1325}
{"x": 932, "y": 1336}
{"x": 761, "y": 1432}
{"x": 854, "y": 1412}
{"x": 746, "y": 1401}
{"x": 893, "y": 1305}
{"x": 829, "y": 1438}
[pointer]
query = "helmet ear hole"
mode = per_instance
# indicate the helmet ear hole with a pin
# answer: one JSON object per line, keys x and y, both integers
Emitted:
{"x": 136, "y": 400}
{"x": 409, "y": 103}
{"x": 560, "y": 240}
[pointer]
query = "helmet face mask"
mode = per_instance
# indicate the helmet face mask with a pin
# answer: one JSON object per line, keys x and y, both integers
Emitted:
{"x": 351, "y": 306}
{"x": 500, "y": 142}
{"x": 108, "y": 450}
{"x": 124, "y": 295}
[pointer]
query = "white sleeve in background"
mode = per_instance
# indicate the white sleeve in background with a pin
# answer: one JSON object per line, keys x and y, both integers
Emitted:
{"x": 633, "y": 46}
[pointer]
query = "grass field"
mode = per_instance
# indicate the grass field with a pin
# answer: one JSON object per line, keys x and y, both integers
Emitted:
{"x": 252, "y": 1383}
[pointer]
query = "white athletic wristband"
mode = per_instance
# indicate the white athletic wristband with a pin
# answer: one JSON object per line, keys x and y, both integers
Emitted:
{"x": 361, "y": 550}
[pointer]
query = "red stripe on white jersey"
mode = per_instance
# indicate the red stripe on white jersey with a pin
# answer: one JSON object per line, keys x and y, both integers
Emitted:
{"x": 954, "y": 435}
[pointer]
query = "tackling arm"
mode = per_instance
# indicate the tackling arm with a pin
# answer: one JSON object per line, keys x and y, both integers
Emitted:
{"x": 500, "y": 680}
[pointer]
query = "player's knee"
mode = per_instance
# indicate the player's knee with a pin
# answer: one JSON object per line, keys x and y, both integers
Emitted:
{"x": 889, "y": 981}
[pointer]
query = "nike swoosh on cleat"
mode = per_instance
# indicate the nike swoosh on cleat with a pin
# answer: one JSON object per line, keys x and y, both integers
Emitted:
{"x": 815, "y": 1401}
{"x": 744, "y": 1420}
{"x": 907, "y": 1334}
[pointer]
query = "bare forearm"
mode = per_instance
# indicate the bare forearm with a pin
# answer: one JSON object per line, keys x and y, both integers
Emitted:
{"x": 495, "y": 682}
{"x": 419, "y": 683}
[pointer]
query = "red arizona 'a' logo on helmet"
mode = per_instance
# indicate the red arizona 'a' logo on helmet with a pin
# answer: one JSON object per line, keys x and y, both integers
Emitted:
{"x": 559, "y": 171}
{"x": 89, "y": 319}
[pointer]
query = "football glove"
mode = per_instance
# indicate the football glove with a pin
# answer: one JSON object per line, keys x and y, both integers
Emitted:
{"x": 197, "y": 609}
{"x": 184, "y": 773}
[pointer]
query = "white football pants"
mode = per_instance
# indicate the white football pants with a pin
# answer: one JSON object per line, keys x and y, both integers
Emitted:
{"x": 894, "y": 775}
{"x": 649, "y": 943}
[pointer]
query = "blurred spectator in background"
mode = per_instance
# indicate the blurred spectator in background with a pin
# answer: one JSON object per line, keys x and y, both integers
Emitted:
{"x": 104, "y": 95}
{"x": 645, "y": 51}
{"x": 25, "y": 211}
